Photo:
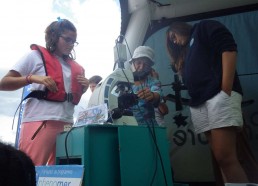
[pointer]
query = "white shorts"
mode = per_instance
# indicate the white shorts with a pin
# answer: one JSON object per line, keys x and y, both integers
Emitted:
{"x": 220, "y": 111}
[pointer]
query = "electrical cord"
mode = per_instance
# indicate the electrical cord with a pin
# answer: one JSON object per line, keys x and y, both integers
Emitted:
{"x": 156, "y": 168}
{"x": 66, "y": 149}
{"x": 159, "y": 4}
{"x": 153, "y": 133}
{"x": 155, "y": 141}
{"x": 248, "y": 74}
{"x": 19, "y": 106}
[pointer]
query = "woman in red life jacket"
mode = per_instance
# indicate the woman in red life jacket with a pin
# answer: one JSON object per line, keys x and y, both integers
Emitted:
{"x": 57, "y": 83}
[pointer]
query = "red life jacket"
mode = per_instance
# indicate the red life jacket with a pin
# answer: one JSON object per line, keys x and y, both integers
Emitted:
{"x": 53, "y": 68}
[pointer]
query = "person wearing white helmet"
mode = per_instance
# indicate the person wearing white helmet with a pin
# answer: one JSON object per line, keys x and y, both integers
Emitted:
{"x": 146, "y": 87}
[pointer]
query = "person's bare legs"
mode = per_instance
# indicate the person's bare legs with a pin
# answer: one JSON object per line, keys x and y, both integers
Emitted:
{"x": 223, "y": 146}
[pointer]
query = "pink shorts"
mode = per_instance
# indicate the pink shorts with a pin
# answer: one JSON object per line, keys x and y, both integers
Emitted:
{"x": 41, "y": 149}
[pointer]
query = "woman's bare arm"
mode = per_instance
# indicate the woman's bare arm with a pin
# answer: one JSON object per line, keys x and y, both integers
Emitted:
{"x": 12, "y": 81}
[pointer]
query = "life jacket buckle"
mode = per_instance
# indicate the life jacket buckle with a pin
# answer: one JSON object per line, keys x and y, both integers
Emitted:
{"x": 69, "y": 97}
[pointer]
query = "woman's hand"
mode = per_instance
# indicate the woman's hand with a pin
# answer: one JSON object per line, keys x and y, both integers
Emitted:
{"x": 84, "y": 82}
{"x": 49, "y": 83}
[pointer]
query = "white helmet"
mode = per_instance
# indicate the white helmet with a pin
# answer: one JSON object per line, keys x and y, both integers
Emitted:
{"x": 143, "y": 51}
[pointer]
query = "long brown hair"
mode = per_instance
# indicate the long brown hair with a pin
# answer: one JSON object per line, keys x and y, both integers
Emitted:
{"x": 176, "y": 52}
{"x": 54, "y": 31}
